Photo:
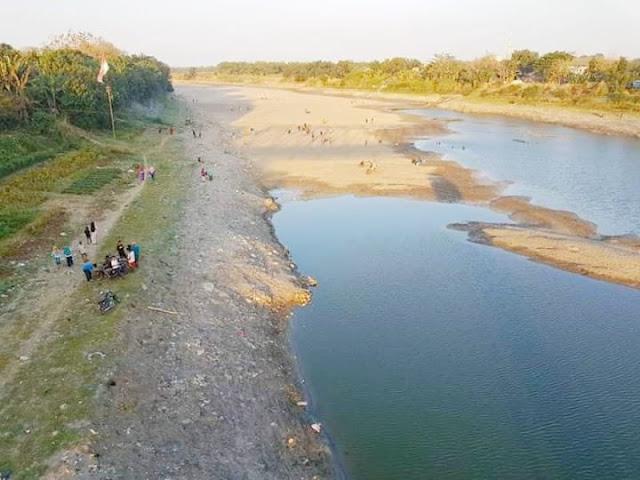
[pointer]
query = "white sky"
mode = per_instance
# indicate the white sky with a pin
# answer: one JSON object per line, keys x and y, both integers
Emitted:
{"x": 199, "y": 32}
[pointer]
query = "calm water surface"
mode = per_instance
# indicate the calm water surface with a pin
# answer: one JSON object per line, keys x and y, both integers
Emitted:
{"x": 595, "y": 176}
{"x": 426, "y": 356}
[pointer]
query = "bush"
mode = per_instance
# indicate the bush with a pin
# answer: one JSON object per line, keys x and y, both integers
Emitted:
{"x": 531, "y": 92}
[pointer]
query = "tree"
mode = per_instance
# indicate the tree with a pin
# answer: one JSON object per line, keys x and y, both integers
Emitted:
{"x": 554, "y": 66}
{"x": 87, "y": 43}
{"x": 525, "y": 61}
{"x": 599, "y": 69}
{"x": 14, "y": 76}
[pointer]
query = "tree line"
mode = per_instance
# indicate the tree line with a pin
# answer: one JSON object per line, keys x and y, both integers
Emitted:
{"x": 562, "y": 72}
{"x": 59, "y": 81}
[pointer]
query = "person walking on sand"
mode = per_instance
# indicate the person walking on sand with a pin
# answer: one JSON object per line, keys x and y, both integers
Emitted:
{"x": 68, "y": 255}
{"x": 87, "y": 268}
{"x": 94, "y": 233}
{"x": 56, "y": 254}
{"x": 83, "y": 252}
{"x": 87, "y": 233}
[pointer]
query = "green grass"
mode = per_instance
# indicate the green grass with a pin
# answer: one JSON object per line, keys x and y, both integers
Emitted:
{"x": 21, "y": 149}
{"x": 60, "y": 373}
{"x": 92, "y": 181}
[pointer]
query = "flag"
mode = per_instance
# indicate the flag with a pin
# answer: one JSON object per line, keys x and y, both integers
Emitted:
{"x": 104, "y": 68}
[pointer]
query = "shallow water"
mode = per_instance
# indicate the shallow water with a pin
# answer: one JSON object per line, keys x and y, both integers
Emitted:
{"x": 594, "y": 176}
{"x": 427, "y": 356}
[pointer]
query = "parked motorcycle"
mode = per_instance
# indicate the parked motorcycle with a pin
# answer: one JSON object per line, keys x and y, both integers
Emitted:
{"x": 108, "y": 301}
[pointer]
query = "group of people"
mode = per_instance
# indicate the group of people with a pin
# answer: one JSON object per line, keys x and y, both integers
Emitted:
{"x": 142, "y": 173}
{"x": 171, "y": 130}
{"x": 90, "y": 232}
{"x": 115, "y": 265}
{"x": 323, "y": 135}
{"x": 205, "y": 175}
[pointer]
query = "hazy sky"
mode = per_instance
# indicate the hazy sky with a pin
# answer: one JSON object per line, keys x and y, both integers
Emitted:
{"x": 199, "y": 32}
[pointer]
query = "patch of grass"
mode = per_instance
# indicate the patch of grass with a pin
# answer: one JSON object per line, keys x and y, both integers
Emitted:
{"x": 47, "y": 405}
{"x": 94, "y": 180}
{"x": 22, "y": 149}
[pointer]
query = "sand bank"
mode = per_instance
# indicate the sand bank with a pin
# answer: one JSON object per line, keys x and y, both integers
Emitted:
{"x": 328, "y": 144}
{"x": 608, "y": 123}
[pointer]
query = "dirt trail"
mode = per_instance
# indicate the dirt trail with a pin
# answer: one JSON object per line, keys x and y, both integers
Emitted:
{"x": 49, "y": 291}
{"x": 207, "y": 393}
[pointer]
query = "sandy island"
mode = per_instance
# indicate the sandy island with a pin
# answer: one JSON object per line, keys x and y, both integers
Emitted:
{"x": 327, "y": 144}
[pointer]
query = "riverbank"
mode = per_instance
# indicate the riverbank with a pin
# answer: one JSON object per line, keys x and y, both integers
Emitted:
{"x": 327, "y": 144}
{"x": 209, "y": 390}
{"x": 597, "y": 121}
{"x": 189, "y": 376}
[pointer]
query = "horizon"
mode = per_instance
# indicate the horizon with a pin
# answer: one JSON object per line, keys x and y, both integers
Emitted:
{"x": 287, "y": 31}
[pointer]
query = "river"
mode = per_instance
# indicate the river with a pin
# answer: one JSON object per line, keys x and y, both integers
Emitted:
{"x": 594, "y": 176}
{"x": 427, "y": 356}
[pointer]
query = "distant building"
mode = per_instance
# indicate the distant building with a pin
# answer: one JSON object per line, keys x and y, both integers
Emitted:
{"x": 578, "y": 69}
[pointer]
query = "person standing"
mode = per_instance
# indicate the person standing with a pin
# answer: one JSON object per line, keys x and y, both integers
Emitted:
{"x": 94, "y": 233}
{"x": 87, "y": 268}
{"x": 68, "y": 255}
{"x": 87, "y": 233}
{"x": 131, "y": 257}
{"x": 152, "y": 172}
{"x": 136, "y": 251}
{"x": 57, "y": 255}
{"x": 83, "y": 252}
{"x": 120, "y": 249}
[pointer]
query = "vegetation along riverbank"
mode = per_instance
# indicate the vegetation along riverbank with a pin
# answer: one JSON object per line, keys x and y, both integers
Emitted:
{"x": 189, "y": 374}
{"x": 591, "y": 92}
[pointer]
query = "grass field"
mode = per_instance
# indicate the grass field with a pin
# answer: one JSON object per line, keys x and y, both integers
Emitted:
{"x": 93, "y": 181}
{"x": 47, "y": 406}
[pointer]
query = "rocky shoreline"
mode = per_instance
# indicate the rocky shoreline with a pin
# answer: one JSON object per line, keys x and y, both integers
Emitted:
{"x": 210, "y": 392}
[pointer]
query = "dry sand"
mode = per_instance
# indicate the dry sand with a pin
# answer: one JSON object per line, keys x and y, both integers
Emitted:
{"x": 346, "y": 135}
{"x": 323, "y": 144}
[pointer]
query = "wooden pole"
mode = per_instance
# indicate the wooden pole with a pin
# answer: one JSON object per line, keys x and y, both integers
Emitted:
{"x": 113, "y": 123}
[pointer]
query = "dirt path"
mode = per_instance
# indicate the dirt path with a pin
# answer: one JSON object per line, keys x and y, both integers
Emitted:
{"x": 207, "y": 393}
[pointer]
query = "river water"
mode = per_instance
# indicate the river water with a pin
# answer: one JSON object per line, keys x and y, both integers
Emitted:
{"x": 594, "y": 176}
{"x": 427, "y": 356}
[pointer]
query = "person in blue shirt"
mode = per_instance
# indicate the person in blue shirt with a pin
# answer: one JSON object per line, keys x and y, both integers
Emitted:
{"x": 87, "y": 268}
{"x": 136, "y": 251}
{"x": 68, "y": 255}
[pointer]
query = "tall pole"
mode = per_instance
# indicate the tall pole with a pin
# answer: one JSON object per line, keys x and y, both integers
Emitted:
{"x": 113, "y": 123}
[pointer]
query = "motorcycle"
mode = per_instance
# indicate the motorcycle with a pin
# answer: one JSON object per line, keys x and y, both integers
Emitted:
{"x": 108, "y": 301}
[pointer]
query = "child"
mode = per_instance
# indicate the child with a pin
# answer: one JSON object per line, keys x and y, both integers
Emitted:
{"x": 57, "y": 255}
{"x": 68, "y": 255}
{"x": 83, "y": 252}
